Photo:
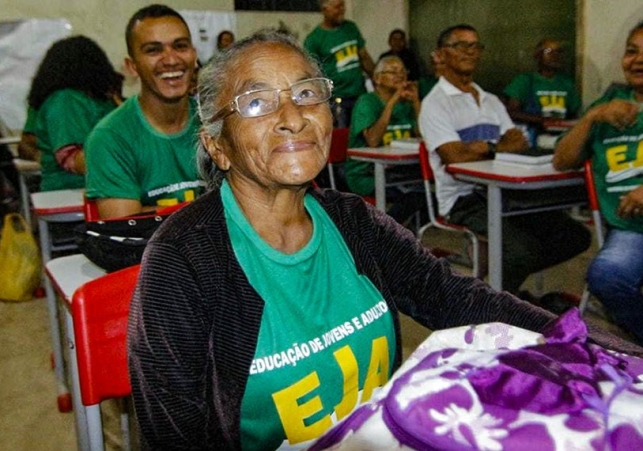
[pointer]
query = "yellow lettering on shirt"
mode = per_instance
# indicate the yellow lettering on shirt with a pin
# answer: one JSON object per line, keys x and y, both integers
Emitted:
{"x": 167, "y": 202}
{"x": 395, "y": 134}
{"x": 188, "y": 196}
{"x": 617, "y": 159}
{"x": 347, "y": 52}
{"x": 552, "y": 101}
{"x": 350, "y": 371}
{"x": 377, "y": 374}
{"x": 293, "y": 414}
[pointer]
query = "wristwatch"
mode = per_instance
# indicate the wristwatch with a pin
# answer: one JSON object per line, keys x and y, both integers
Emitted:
{"x": 492, "y": 148}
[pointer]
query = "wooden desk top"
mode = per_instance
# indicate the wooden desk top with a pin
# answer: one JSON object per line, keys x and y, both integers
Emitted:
{"x": 386, "y": 153}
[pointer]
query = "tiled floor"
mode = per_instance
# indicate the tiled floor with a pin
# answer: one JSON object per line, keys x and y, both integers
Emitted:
{"x": 29, "y": 419}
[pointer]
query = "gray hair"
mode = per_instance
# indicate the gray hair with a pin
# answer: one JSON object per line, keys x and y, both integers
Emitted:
{"x": 379, "y": 67}
{"x": 215, "y": 76}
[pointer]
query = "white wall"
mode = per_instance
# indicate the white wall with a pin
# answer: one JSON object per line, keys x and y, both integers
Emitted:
{"x": 104, "y": 21}
{"x": 603, "y": 26}
{"x": 376, "y": 19}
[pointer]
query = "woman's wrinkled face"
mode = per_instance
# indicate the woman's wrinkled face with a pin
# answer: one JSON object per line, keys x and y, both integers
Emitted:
{"x": 287, "y": 147}
{"x": 392, "y": 76}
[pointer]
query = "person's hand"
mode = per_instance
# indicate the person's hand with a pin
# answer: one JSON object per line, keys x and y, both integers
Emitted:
{"x": 409, "y": 91}
{"x": 480, "y": 148}
{"x": 513, "y": 141}
{"x": 631, "y": 204}
{"x": 618, "y": 113}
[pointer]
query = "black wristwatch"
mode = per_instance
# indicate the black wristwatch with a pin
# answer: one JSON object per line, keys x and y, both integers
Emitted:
{"x": 491, "y": 153}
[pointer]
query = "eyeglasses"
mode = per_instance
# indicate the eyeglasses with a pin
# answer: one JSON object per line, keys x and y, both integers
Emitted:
{"x": 464, "y": 45}
{"x": 395, "y": 72}
{"x": 260, "y": 102}
{"x": 548, "y": 50}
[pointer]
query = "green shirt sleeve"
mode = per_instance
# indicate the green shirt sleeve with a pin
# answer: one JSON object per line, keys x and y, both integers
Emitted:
{"x": 518, "y": 88}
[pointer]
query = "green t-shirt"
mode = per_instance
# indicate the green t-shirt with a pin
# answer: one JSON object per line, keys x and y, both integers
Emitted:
{"x": 337, "y": 52}
{"x": 617, "y": 162}
{"x": 129, "y": 159}
{"x": 368, "y": 109}
{"x": 30, "y": 123}
{"x": 326, "y": 340}
{"x": 554, "y": 97}
{"x": 65, "y": 118}
{"x": 425, "y": 84}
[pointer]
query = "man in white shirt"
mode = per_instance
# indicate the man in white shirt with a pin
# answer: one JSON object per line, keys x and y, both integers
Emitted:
{"x": 461, "y": 122}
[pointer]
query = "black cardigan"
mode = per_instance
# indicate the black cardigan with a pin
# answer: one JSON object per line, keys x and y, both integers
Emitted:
{"x": 195, "y": 319}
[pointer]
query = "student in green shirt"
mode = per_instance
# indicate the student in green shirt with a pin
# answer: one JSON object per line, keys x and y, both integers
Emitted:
{"x": 75, "y": 86}
{"x": 610, "y": 133}
{"x": 340, "y": 48}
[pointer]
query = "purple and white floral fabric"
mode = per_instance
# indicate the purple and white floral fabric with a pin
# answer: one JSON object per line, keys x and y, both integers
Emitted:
{"x": 498, "y": 387}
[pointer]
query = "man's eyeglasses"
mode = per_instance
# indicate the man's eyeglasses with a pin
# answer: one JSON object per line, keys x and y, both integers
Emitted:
{"x": 553, "y": 51}
{"x": 464, "y": 45}
{"x": 260, "y": 102}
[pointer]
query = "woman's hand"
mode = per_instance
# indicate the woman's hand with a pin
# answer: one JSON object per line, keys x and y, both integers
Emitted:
{"x": 409, "y": 91}
{"x": 631, "y": 204}
{"x": 618, "y": 113}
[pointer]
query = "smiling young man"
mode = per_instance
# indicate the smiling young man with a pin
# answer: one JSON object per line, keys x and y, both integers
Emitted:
{"x": 142, "y": 156}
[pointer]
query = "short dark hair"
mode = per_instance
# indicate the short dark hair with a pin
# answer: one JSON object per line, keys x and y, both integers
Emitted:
{"x": 397, "y": 31}
{"x": 637, "y": 27}
{"x": 222, "y": 34}
{"x": 445, "y": 34}
{"x": 154, "y": 11}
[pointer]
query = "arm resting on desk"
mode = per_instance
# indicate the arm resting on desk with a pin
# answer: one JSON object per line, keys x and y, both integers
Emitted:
{"x": 118, "y": 208}
{"x": 513, "y": 141}
{"x": 459, "y": 152}
{"x": 27, "y": 148}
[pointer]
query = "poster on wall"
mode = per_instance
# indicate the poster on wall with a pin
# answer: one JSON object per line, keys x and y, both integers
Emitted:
{"x": 23, "y": 43}
{"x": 205, "y": 26}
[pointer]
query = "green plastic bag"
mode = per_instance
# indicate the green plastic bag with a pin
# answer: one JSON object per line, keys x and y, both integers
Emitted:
{"x": 20, "y": 261}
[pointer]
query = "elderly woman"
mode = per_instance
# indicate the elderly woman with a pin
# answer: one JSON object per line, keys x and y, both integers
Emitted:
{"x": 267, "y": 310}
{"x": 610, "y": 134}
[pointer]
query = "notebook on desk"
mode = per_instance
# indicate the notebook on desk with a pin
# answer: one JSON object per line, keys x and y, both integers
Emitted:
{"x": 406, "y": 143}
{"x": 533, "y": 156}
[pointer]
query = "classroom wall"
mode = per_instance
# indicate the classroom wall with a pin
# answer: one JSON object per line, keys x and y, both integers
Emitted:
{"x": 104, "y": 21}
{"x": 509, "y": 28}
{"x": 601, "y": 27}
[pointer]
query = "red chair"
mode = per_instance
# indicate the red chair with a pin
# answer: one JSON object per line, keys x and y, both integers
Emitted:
{"x": 597, "y": 219}
{"x": 90, "y": 209}
{"x": 100, "y": 310}
{"x": 337, "y": 155}
{"x": 441, "y": 223}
